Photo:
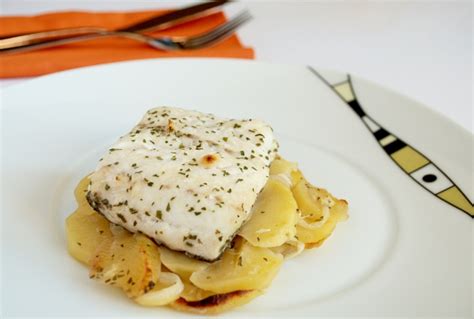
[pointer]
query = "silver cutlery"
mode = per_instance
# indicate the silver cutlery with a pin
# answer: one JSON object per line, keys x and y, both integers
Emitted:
{"x": 160, "y": 22}
{"x": 202, "y": 40}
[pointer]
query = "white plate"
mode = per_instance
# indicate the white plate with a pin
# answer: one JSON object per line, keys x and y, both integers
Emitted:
{"x": 403, "y": 252}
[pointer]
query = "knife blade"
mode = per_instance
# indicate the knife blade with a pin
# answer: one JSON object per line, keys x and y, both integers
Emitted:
{"x": 175, "y": 17}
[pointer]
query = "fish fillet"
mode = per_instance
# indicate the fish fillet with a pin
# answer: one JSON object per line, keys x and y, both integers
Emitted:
{"x": 184, "y": 178}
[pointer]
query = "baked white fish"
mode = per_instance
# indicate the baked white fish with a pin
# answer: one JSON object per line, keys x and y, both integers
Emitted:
{"x": 184, "y": 178}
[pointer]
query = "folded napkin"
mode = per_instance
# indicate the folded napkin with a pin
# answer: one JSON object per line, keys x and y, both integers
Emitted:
{"x": 103, "y": 50}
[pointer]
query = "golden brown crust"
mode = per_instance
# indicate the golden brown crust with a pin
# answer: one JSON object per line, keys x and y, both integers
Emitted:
{"x": 314, "y": 245}
{"x": 217, "y": 303}
{"x": 209, "y": 160}
{"x": 214, "y": 300}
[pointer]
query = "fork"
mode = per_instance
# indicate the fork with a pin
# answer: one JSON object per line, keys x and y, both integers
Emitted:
{"x": 199, "y": 41}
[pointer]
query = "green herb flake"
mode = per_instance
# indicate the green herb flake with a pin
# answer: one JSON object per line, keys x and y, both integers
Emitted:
{"x": 122, "y": 218}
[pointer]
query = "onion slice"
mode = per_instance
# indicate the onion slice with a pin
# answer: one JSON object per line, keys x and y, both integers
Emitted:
{"x": 167, "y": 290}
{"x": 290, "y": 249}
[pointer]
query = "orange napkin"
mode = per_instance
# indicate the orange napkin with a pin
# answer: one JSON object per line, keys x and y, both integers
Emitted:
{"x": 103, "y": 50}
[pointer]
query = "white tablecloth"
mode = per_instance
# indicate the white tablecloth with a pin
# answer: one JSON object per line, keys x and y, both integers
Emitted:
{"x": 421, "y": 49}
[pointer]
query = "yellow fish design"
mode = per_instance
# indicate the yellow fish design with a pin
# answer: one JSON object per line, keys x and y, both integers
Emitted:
{"x": 411, "y": 161}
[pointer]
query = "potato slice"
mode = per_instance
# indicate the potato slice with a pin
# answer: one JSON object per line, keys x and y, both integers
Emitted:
{"x": 128, "y": 261}
{"x": 319, "y": 213}
{"x": 308, "y": 199}
{"x": 85, "y": 228}
{"x": 315, "y": 237}
{"x": 80, "y": 193}
{"x": 240, "y": 268}
{"x": 273, "y": 216}
{"x": 281, "y": 166}
{"x": 184, "y": 266}
{"x": 192, "y": 293}
{"x": 179, "y": 263}
{"x": 296, "y": 215}
{"x": 286, "y": 168}
{"x": 216, "y": 304}
{"x": 296, "y": 176}
{"x": 167, "y": 289}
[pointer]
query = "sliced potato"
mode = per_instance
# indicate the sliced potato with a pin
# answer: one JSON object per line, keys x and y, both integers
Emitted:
{"x": 284, "y": 167}
{"x": 179, "y": 263}
{"x": 167, "y": 289}
{"x": 273, "y": 216}
{"x": 296, "y": 176}
{"x": 241, "y": 268}
{"x": 193, "y": 293}
{"x": 319, "y": 213}
{"x": 85, "y": 228}
{"x": 308, "y": 199}
{"x": 80, "y": 193}
{"x": 315, "y": 237}
{"x": 281, "y": 166}
{"x": 190, "y": 291}
{"x": 216, "y": 304}
{"x": 296, "y": 215}
{"x": 128, "y": 261}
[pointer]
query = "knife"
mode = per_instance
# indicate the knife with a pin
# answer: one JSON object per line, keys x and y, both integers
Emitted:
{"x": 173, "y": 18}
{"x": 159, "y": 22}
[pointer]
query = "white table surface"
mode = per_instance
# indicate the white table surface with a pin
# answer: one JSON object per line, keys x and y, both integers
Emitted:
{"x": 422, "y": 49}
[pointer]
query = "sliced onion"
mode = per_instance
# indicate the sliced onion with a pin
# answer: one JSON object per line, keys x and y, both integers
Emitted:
{"x": 290, "y": 249}
{"x": 167, "y": 290}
